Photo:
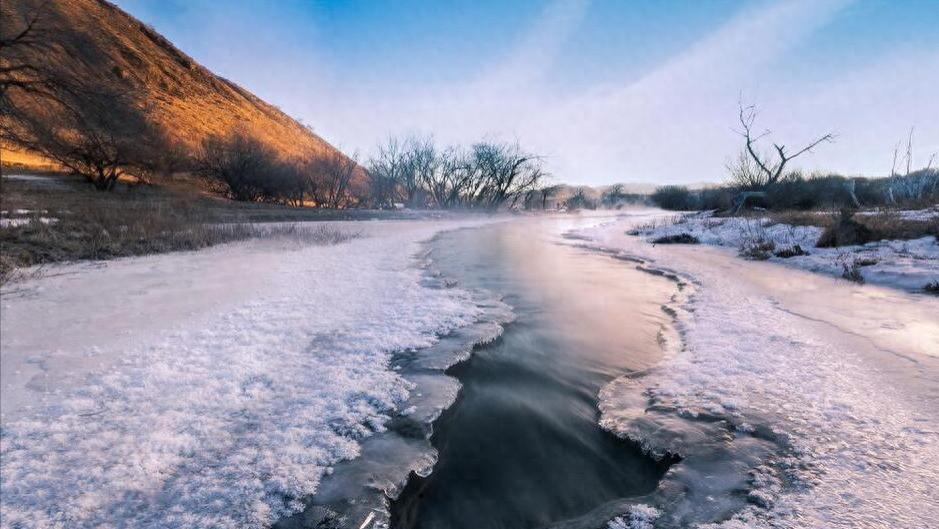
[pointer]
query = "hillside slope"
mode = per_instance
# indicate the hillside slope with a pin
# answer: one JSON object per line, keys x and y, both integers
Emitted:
{"x": 97, "y": 42}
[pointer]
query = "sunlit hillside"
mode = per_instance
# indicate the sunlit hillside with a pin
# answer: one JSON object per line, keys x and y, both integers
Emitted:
{"x": 98, "y": 42}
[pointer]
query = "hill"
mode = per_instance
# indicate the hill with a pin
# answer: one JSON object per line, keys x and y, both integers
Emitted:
{"x": 97, "y": 42}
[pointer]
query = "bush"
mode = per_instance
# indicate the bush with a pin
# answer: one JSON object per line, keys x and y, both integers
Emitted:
{"x": 676, "y": 198}
{"x": 844, "y": 232}
{"x": 681, "y": 238}
{"x": 716, "y": 198}
{"x": 786, "y": 253}
{"x": 757, "y": 250}
{"x": 852, "y": 272}
{"x": 581, "y": 199}
{"x": 241, "y": 167}
{"x": 817, "y": 191}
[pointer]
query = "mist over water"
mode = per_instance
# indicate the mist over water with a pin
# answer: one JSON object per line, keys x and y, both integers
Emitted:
{"x": 521, "y": 447}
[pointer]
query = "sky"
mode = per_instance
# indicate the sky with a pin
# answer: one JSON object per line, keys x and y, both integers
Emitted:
{"x": 606, "y": 90}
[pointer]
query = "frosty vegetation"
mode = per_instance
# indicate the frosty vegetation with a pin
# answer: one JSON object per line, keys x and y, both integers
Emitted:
{"x": 786, "y": 399}
{"x": 910, "y": 263}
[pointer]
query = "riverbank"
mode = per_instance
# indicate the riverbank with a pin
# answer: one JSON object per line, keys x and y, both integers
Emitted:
{"x": 807, "y": 400}
{"x": 910, "y": 263}
{"x": 212, "y": 388}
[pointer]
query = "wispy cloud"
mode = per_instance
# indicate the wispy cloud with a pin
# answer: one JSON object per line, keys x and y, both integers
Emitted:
{"x": 670, "y": 122}
{"x": 673, "y": 123}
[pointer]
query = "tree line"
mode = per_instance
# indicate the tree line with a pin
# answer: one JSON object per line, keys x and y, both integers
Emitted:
{"x": 760, "y": 177}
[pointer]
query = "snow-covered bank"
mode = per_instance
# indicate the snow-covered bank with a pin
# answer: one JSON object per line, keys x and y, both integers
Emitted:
{"x": 797, "y": 400}
{"x": 909, "y": 265}
{"x": 207, "y": 389}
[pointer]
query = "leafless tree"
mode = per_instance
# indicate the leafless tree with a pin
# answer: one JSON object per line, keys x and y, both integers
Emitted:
{"x": 330, "y": 175}
{"x": 500, "y": 173}
{"x": 236, "y": 165}
{"x": 17, "y": 69}
{"x": 452, "y": 179}
{"x": 386, "y": 172}
{"x": 913, "y": 185}
{"x": 96, "y": 133}
{"x": 769, "y": 168}
{"x": 549, "y": 192}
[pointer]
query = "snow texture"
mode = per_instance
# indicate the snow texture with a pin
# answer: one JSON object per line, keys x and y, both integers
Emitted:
{"x": 909, "y": 265}
{"x": 257, "y": 367}
{"x": 822, "y": 392}
{"x": 639, "y": 517}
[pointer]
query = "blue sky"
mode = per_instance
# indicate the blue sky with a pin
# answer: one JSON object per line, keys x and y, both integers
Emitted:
{"x": 607, "y": 90}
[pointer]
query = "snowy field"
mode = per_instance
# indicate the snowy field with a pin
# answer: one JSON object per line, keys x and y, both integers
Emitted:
{"x": 797, "y": 400}
{"x": 211, "y": 388}
{"x": 903, "y": 264}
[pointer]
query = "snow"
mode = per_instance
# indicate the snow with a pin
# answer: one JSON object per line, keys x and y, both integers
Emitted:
{"x": 17, "y": 222}
{"x": 639, "y": 517}
{"x": 815, "y": 397}
{"x": 211, "y": 388}
{"x": 909, "y": 265}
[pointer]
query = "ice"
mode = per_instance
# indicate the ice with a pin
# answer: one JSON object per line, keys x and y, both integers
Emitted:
{"x": 796, "y": 399}
{"x": 248, "y": 372}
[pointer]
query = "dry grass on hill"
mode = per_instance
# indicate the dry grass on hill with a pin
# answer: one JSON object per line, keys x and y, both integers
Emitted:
{"x": 96, "y": 42}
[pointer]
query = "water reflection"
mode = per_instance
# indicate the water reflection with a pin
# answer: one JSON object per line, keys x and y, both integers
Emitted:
{"x": 521, "y": 447}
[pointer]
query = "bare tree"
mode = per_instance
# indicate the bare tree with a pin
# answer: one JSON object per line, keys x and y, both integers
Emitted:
{"x": 386, "y": 172}
{"x": 330, "y": 175}
{"x": 236, "y": 165}
{"x": 95, "y": 133}
{"x": 549, "y": 192}
{"x": 913, "y": 185}
{"x": 769, "y": 167}
{"x": 452, "y": 179}
{"x": 17, "y": 70}
{"x": 498, "y": 173}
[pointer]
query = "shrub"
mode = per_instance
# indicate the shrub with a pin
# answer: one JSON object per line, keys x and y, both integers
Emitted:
{"x": 681, "y": 238}
{"x": 852, "y": 272}
{"x": 844, "y": 232}
{"x": 581, "y": 199}
{"x": 757, "y": 250}
{"x": 243, "y": 168}
{"x": 671, "y": 197}
{"x": 715, "y": 198}
{"x": 793, "y": 251}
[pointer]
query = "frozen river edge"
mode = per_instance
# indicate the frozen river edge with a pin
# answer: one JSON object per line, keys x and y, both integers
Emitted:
{"x": 795, "y": 400}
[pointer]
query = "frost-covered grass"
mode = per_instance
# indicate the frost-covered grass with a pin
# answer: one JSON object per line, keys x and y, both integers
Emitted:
{"x": 50, "y": 219}
{"x": 207, "y": 389}
{"x": 817, "y": 402}
{"x": 908, "y": 264}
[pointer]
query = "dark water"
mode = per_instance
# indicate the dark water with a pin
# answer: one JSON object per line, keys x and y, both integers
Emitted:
{"x": 521, "y": 447}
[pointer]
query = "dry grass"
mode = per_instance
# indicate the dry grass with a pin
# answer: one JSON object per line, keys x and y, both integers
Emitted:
{"x": 97, "y": 41}
{"x": 65, "y": 220}
{"x": 801, "y": 218}
{"x": 890, "y": 225}
{"x": 881, "y": 225}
